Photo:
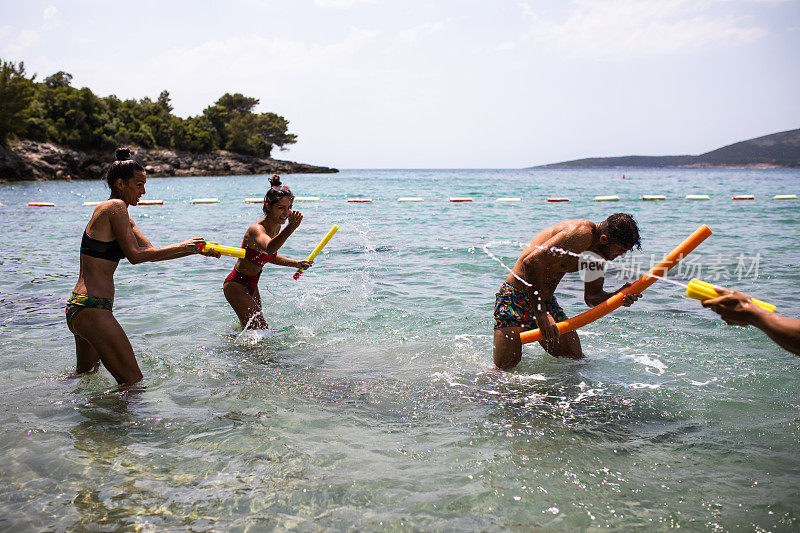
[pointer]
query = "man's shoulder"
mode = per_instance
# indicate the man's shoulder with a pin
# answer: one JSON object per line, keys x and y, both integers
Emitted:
{"x": 580, "y": 232}
{"x": 577, "y": 227}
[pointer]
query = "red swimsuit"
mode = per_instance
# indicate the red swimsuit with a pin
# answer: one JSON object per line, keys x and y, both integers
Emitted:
{"x": 254, "y": 256}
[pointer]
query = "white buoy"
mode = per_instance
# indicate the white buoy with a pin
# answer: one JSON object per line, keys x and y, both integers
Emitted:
{"x": 409, "y": 199}
{"x": 205, "y": 201}
{"x": 744, "y": 197}
{"x": 606, "y": 198}
{"x": 151, "y": 202}
{"x": 359, "y": 200}
{"x": 558, "y": 199}
{"x": 306, "y": 198}
{"x": 91, "y": 203}
{"x": 785, "y": 197}
{"x": 651, "y": 197}
{"x": 253, "y": 200}
{"x": 510, "y": 199}
{"x": 697, "y": 197}
{"x": 41, "y": 204}
{"x": 457, "y": 199}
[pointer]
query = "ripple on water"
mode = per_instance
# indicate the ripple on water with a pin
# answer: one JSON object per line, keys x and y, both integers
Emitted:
{"x": 375, "y": 404}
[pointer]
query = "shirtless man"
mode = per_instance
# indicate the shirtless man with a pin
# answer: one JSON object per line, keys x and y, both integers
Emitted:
{"x": 526, "y": 300}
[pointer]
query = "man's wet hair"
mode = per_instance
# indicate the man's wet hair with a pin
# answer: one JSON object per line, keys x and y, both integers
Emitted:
{"x": 621, "y": 228}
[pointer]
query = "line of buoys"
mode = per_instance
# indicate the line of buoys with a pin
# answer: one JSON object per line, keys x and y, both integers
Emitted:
{"x": 141, "y": 202}
{"x": 453, "y": 199}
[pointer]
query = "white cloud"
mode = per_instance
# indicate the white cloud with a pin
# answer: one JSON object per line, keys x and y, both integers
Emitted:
{"x": 51, "y": 20}
{"x": 28, "y": 37}
{"x": 624, "y": 29}
{"x": 413, "y": 34}
{"x": 505, "y": 47}
{"x": 260, "y": 64}
{"x": 342, "y": 4}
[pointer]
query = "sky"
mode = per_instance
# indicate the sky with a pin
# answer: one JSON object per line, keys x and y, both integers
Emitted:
{"x": 444, "y": 83}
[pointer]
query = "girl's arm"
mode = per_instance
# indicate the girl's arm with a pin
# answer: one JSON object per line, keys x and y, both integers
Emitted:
{"x": 138, "y": 251}
{"x": 286, "y": 262}
{"x": 271, "y": 245}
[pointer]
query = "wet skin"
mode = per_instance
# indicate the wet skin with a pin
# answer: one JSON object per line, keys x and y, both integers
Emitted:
{"x": 265, "y": 236}
{"x": 542, "y": 266}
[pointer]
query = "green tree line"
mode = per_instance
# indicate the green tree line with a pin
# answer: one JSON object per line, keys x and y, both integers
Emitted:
{"x": 54, "y": 111}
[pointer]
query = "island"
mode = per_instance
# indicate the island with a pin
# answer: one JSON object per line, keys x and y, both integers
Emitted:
{"x": 51, "y": 130}
{"x": 778, "y": 150}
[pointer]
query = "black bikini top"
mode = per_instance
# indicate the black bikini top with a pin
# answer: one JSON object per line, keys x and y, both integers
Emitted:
{"x": 110, "y": 250}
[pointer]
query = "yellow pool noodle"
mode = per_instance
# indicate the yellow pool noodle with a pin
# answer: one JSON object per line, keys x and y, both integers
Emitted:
{"x": 319, "y": 248}
{"x": 700, "y": 290}
{"x": 224, "y": 250}
{"x": 323, "y": 242}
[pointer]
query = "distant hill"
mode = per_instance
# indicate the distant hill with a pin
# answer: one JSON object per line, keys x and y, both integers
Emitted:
{"x": 779, "y": 150}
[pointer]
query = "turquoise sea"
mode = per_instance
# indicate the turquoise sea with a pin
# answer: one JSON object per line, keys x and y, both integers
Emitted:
{"x": 375, "y": 406}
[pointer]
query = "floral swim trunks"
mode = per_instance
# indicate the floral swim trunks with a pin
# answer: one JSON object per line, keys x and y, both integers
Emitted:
{"x": 514, "y": 308}
{"x": 78, "y": 302}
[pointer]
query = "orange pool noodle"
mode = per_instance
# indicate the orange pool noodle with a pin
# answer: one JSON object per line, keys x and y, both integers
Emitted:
{"x": 613, "y": 303}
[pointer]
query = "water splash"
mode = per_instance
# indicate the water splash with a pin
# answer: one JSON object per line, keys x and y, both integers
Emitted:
{"x": 609, "y": 264}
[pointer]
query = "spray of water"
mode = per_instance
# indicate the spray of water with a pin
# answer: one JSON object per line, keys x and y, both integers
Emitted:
{"x": 608, "y": 264}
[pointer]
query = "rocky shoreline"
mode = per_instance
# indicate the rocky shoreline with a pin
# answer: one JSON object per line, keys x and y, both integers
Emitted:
{"x": 28, "y": 160}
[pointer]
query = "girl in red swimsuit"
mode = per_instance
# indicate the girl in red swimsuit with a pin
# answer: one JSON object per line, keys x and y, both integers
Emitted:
{"x": 261, "y": 243}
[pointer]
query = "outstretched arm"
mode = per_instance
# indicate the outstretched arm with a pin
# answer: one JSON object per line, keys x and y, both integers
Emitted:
{"x": 135, "y": 245}
{"x": 286, "y": 262}
{"x": 737, "y": 309}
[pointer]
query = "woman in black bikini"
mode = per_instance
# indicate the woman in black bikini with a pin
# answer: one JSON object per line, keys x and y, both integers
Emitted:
{"x": 261, "y": 243}
{"x": 111, "y": 235}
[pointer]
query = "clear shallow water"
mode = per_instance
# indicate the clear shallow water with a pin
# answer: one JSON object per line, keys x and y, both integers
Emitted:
{"x": 375, "y": 405}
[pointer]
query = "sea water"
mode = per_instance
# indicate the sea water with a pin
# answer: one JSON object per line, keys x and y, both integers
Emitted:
{"x": 374, "y": 405}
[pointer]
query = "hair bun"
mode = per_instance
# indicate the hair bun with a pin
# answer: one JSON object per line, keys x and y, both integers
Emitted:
{"x": 123, "y": 154}
{"x": 275, "y": 180}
